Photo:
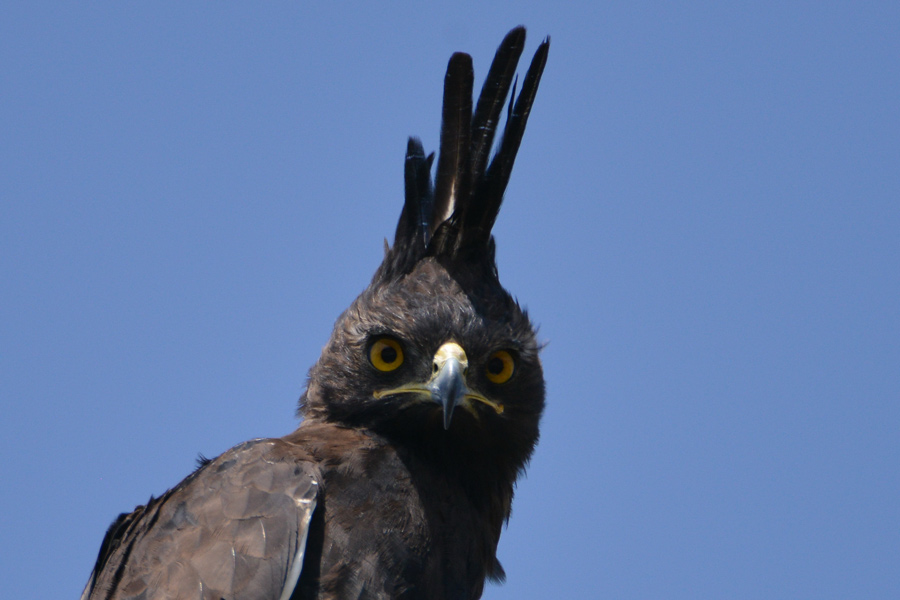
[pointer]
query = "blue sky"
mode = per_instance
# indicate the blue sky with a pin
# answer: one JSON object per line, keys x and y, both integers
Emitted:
{"x": 704, "y": 220}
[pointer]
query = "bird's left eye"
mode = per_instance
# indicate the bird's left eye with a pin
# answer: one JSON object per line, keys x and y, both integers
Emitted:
{"x": 386, "y": 354}
{"x": 500, "y": 367}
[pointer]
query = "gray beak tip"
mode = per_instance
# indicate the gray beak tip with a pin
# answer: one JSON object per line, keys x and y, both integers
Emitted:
{"x": 448, "y": 387}
{"x": 448, "y": 415}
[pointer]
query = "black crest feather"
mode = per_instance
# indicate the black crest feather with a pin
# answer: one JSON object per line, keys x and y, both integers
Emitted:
{"x": 414, "y": 227}
{"x": 452, "y": 221}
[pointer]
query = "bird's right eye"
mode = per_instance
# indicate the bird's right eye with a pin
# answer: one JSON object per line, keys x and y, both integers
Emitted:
{"x": 386, "y": 354}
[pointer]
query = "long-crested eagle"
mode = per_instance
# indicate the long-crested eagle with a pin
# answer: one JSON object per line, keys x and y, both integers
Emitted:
{"x": 417, "y": 418}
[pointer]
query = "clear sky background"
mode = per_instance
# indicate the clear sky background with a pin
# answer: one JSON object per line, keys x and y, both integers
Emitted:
{"x": 704, "y": 220}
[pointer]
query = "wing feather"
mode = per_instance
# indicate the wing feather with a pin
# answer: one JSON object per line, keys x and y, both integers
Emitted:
{"x": 236, "y": 527}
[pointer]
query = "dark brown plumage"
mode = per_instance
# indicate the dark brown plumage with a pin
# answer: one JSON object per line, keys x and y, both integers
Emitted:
{"x": 417, "y": 419}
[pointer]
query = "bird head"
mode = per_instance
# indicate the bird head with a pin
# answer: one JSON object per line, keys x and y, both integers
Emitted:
{"x": 435, "y": 350}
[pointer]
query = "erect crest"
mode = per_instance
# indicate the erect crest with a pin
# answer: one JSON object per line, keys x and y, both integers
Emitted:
{"x": 452, "y": 220}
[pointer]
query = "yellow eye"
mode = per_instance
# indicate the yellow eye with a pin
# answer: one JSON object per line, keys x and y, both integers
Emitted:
{"x": 500, "y": 367}
{"x": 386, "y": 354}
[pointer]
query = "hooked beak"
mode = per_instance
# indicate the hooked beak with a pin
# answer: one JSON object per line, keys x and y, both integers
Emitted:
{"x": 448, "y": 384}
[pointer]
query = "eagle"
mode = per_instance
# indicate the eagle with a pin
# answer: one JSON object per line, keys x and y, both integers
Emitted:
{"x": 418, "y": 417}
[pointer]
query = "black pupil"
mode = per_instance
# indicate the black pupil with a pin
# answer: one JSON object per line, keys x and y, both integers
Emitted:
{"x": 495, "y": 365}
{"x": 388, "y": 354}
